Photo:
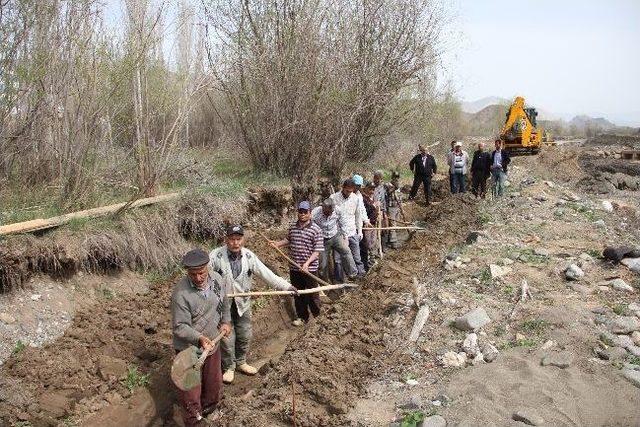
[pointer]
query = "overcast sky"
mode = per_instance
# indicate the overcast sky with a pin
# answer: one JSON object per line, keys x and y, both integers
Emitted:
{"x": 565, "y": 56}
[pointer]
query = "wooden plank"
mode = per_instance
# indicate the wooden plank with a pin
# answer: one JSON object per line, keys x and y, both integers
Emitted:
{"x": 43, "y": 224}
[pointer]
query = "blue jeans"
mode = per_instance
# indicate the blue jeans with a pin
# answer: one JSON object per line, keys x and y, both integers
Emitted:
{"x": 498, "y": 177}
{"x": 459, "y": 182}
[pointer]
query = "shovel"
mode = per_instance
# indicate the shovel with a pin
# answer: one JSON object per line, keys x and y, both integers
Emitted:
{"x": 187, "y": 366}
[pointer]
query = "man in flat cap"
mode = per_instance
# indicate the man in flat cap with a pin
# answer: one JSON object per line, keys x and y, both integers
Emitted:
{"x": 200, "y": 311}
{"x": 238, "y": 265}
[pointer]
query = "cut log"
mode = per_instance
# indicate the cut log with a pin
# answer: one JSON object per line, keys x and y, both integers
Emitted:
{"x": 43, "y": 224}
{"x": 418, "y": 324}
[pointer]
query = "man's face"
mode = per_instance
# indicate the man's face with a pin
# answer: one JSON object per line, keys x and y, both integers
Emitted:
{"x": 377, "y": 179}
{"x": 481, "y": 146}
{"x": 457, "y": 148}
{"x": 304, "y": 215}
{"x": 367, "y": 191}
{"x": 198, "y": 275}
{"x": 423, "y": 151}
{"x": 498, "y": 145}
{"x": 346, "y": 191}
{"x": 235, "y": 242}
{"x": 327, "y": 210}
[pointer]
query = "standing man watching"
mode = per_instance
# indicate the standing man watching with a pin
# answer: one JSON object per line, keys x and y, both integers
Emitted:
{"x": 480, "y": 170}
{"x": 332, "y": 223}
{"x": 500, "y": 160}
{"x": 453, "y": 143}
{"x": 423, "y": 165}
{"x": 199, "y": 312}
{"x": 237, "y": 265}
{"x": 352, "y": 208}
{"x": 305, "y": 243}
{"x": 458, "y": 161}
{"x": 379, "y": 194}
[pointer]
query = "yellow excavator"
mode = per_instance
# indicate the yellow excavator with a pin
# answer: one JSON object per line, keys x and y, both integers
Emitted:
{"x": 520, "y": 133}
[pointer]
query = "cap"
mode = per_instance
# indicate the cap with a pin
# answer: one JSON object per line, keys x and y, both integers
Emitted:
{"x": 328, "y": 203}
{"x": 304, "y": 205}
{"x": 458, "y": 144}
{"x": 358, "y": 180}
{"x": 195, "y": 258}
{"x": 235, "y": 229}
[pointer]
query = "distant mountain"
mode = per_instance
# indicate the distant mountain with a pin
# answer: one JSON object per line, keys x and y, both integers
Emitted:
{"x": 486, "y": 122}
{"x": 585, "y": 122}
{"x": 475, "y": 106}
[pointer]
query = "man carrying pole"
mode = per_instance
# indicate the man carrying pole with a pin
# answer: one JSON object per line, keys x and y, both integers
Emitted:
{"x": 238, "y": 265}
{"x": 306, "y": 243}
{"x": 199, "y": 312}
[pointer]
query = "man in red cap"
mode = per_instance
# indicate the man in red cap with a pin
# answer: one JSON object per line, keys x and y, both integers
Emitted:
{"x": 199, "y": 312}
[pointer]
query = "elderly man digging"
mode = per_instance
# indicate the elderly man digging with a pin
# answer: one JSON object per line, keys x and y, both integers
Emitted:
{"x": 200, "y": 311}
{"x": 237, "y": 265}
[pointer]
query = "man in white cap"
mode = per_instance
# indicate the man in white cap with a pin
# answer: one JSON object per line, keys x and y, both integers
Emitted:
{"x": 238, "y": 265}
{"x": 458, "y": 161}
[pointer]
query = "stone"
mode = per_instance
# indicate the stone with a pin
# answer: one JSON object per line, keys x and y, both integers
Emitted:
{"x": 412, "y": 382}
{"x": 635, "y": 336}
{"x": 612, "y": 354}
{"x": 581, "y": 289}
{"x": 607, "y": 206}
{"x": 489, "y": 352}
{"x": 633, "y": 376}
{"x": 618, "y": 253}
{"x": 434, "y": 421}
{"x": 473, "y": 237}
{"x": 479, "y": 358}
{"x": 497, "y": 271}
{"x": 561, "y": 360}
{"x": 507, "y": 261}
{"x": 36, "y": 297}
{"x": 541, "y": 252}
{"x": 453, "y": 359}
{"x": 623, "y": 341}
{"x": 529, "y": 417}
{"x": 55, "y": 404}
{"x": 632, "y": 264}
{"x": 634, "y": 349}
{"x": 634, "y": 308}
{"x": 548, "y": 344}
{"x": 620, "y": 285}
{"x": 470, "y": 344}
{"x": 573, "y": 272}
{"x": 473, "y": 320}
{"x": 111, "y": 367}
{"x": 7, "y": 318}
{"x": 600, "y": 223}
{"x": 624, "y": 324}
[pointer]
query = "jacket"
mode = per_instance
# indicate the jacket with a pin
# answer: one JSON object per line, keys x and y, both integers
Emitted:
{"x": 219, "y": 262}
{"x": 464, "y": 160}
{"x": 506, "y": 159}
{"x": 423, "y": 169}
{"x": 481, "y": 163}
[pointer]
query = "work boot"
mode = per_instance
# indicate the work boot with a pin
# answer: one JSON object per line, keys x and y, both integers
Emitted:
{"x": 228, "y": 376}
{"x": 245, "y": 368}
{"x": 297, "y": 322}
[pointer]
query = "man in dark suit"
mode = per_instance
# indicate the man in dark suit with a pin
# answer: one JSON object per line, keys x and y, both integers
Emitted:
{"x": 423, "y": 166}
{"x": 480, "y": 171}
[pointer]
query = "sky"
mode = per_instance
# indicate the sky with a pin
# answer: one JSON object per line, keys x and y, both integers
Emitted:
{"x": 568, "y": 57}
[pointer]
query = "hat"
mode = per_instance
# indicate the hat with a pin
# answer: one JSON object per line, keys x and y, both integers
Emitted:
{"x": 304, "y": 205}
{"x": 328, "y": 203}
{"x": 195, "y": 258}
{"x": 458, "y": 144}
{"x": 358, "y": 180}
{"x": 235, "y": 229}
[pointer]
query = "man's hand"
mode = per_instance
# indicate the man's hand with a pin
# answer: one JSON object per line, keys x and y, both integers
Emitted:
{"x": 205, "y": 343}
{"x": 225, "y": 329}
{"x": 368, "y": 224}
{"x": 294, "y": 290}
{"x": 305, "y": 267}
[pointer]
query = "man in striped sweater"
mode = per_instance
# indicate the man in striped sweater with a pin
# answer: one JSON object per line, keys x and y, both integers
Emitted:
{"x": 305, "y": 241}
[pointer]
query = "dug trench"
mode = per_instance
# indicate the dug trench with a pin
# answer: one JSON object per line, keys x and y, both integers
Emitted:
{"x": 95, "y": 374}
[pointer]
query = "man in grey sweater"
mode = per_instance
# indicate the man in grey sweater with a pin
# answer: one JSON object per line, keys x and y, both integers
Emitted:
{"x": 200, "y": 311}
{"x": 238, "y": 266}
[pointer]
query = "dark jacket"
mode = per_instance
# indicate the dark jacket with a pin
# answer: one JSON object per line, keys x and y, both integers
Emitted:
{"x": 506, "y": 159}
{"x": 481, "y": 163}
{"x": 418, "y": 168}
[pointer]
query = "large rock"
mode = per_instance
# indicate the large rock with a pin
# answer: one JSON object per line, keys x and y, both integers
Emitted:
{"x": 624, "y": 324}
{"x": 473, "y": 320}
{"x": 632, "y": 264}
{"x": 612, "y": 354}
{"x": 434, "y": 421}
{"x": 470, "y": 345}
{"x": 635, "y": 336}
{"x": 623, "y": 341}
{"x": 497, "y": 271}
{"x": 55, "y": 404}
{"x": 529, "y": 417}
{"x": 620, "y": 285}
{"x": 634, "y": 308}
{"x": 7, "y": 318}
{"x": 561, "y": 360}
{"x": 456, "y": 360}
{"x": 617, "y": 253}
{"x": 489, "y": 352}
{"x": 573, "y": 272}
{"x": 633, "y": 376}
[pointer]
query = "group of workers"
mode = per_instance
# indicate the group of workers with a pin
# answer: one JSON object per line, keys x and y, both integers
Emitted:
{"x": 484, "y": 164}
{"x": 345, "y": 229}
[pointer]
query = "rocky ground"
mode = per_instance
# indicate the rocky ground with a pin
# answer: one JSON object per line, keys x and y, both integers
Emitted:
{"x": 567, "y": 353}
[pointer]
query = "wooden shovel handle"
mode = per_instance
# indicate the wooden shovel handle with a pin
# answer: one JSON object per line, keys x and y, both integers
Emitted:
{"x": 206, "y": 352}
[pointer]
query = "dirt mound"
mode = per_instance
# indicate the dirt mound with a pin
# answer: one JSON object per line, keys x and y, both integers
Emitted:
{"x": 140, "y": 240}
{"x": 605, "y": 140}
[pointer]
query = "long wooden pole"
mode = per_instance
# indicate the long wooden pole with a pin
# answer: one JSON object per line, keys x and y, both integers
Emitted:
{"x": 394, "y": 228}
{"x": 292, "y": 262}
{"x": 379, "y": 233}
{"x": 300, "y": 292}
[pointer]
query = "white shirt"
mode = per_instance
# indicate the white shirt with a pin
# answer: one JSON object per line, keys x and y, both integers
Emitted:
{"x": 352, "y": 208}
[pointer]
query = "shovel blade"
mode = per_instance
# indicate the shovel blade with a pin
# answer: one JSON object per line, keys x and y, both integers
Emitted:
{"x": 184, "y": 373}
